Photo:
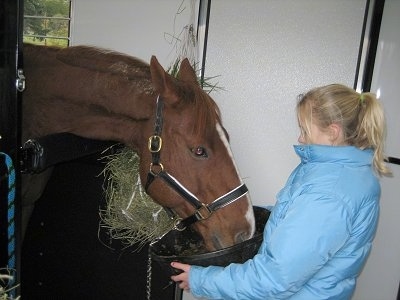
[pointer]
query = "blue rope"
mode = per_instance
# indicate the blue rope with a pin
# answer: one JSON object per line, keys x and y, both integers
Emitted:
{"x": 10, "y": 214}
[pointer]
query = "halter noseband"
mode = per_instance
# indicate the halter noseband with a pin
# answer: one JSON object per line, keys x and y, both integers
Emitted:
{"x": 203, "y": 211}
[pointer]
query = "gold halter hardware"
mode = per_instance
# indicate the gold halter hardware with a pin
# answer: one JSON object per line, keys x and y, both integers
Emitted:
{"x": 155, "y": 143}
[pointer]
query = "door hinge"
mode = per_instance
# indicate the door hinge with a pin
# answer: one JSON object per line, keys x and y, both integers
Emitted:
{"x": 20, "y": 82}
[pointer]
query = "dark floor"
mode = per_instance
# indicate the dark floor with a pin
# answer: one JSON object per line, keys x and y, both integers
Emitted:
{"x": 62, "y": 255}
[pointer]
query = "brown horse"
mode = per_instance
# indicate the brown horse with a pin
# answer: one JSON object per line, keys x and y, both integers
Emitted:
{"x": 173, "y": 125}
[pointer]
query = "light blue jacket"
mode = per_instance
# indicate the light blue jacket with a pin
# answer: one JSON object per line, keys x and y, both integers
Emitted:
{"x": 317, "y": 238}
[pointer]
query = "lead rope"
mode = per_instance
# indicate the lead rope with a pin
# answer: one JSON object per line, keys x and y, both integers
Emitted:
{"x": 11, "y": 221}
{"x": 148, "y": 277}
{"x": 149, "y": 261}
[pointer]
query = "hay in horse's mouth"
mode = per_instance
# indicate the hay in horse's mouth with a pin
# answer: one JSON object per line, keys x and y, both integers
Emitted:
{"x": 130, "y": 214}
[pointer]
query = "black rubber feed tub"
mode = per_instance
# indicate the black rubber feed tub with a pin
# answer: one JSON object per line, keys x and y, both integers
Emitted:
{"x": 186, "y": 246}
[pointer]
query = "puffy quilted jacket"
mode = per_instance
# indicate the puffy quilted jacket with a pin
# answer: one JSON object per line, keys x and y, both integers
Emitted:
{"x": 317, "y": 238}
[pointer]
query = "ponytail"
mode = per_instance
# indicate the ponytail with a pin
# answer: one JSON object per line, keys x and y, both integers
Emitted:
{"x": 371, "y": 131}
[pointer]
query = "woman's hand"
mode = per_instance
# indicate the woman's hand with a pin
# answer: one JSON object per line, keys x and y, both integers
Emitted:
{"x": 183, "y": 278}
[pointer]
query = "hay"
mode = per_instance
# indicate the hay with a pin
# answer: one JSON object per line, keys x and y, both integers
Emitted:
{"x": 7, "y": 286}
{"x": 131, "y": 215}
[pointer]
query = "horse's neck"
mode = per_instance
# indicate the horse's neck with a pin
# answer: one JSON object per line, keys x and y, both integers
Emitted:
{"x": 92, "y": 104}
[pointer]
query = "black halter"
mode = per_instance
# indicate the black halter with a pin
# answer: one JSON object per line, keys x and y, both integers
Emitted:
{"x": 203, "y": 211}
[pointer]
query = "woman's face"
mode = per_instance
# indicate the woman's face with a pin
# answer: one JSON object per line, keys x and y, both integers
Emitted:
{"x": 315, "y": 136}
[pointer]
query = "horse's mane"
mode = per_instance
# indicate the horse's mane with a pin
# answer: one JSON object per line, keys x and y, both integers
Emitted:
{"x": 105, "y": 60}
{"x": 134, "y": 68}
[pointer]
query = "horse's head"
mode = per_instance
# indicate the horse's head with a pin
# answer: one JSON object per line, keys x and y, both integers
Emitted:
{"x": 110, "y": 96}
{"x": 191, "y": 164}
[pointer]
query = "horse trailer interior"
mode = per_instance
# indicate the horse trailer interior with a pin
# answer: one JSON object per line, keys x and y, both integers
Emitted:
{"x": 261, "y": 54}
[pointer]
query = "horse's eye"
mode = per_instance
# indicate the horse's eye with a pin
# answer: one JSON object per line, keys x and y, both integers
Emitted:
{"x": 200, "y": 151}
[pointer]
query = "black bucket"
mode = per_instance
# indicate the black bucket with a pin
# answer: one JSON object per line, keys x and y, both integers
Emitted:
{"x": 187, "y": 247}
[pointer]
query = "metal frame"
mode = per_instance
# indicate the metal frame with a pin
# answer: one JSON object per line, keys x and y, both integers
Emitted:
{"x": 368, "y": 48}
{"x": 10, "y": 123}
{"x": 202, "y": 34}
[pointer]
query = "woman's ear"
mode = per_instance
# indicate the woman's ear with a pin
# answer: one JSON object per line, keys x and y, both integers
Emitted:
{"x": 336, "y": 134}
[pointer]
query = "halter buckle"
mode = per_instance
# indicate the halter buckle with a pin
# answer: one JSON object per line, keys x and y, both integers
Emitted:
{"x": 155, "y": 143}
{"x": 156, "y": 169}
{"x": 204, "y": 212}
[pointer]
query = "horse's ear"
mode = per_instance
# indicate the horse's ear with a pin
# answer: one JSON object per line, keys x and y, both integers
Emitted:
{"x": 186, "y": 72}
{"x": 163, "y": 83}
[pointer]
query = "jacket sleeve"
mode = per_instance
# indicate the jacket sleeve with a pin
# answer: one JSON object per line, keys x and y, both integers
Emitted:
{"x": 310, "y": 231}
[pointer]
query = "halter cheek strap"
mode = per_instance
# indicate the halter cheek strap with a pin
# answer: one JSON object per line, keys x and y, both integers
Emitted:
{"x": 203, "y": 211}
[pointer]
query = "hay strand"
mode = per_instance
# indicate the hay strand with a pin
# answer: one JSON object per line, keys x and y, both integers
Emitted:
{"x": 7, "y": 286}
{"x": 130, "y": 215}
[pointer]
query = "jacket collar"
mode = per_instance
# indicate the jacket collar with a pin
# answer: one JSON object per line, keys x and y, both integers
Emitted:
{"x": 334, "y": 154}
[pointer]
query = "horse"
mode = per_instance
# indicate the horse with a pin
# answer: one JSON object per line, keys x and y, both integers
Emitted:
{"x": 175, "y": 127}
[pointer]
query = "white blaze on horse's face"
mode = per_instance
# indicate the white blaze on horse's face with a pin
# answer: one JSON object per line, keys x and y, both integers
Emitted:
{"x": 249, "y": 213}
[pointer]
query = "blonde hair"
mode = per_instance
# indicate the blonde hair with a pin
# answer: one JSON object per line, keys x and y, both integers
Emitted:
{"x": 360, "y": 116}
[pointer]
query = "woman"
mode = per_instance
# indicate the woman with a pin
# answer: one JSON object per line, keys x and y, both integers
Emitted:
{"x": 321, "y": 228}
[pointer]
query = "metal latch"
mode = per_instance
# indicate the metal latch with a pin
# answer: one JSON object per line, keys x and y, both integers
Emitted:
{"x": 20, "y": 83}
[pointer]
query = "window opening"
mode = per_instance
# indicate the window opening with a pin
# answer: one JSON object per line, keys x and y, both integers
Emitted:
{"x": 47, "y": 22}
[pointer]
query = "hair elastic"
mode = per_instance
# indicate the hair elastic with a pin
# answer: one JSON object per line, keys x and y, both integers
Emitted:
{"x": 362, "y": 99}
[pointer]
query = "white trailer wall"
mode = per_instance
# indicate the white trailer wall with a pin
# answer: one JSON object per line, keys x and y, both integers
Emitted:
{"x": 265, "y": 52}
{"x": 140, "y": 28}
